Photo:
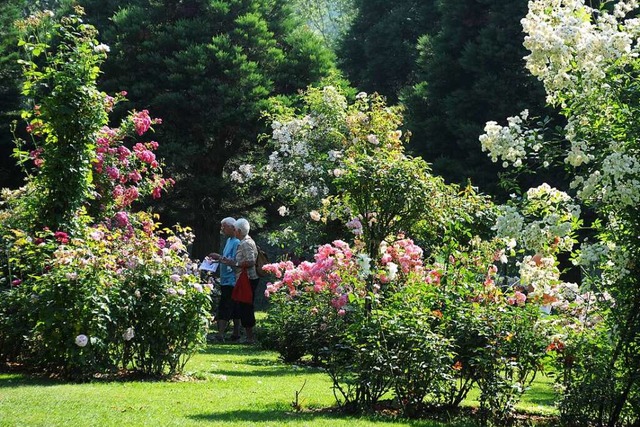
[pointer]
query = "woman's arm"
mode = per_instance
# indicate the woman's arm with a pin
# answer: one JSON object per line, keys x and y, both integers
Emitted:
{"x": 246, "y": 257}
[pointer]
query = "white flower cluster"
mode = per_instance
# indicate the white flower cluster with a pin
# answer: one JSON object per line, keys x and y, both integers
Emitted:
{"x": 509, "y": 143}
{"x": 591, "y": 255}
{"x": 577, "y": 52}
{"x": 334, "y": 100}
{"x": 579, "y": 153}
{"x": 508, "y": 225}
{"x": 549, "y": 195}
{"x": 244, "y": 173}
{"x": 102, "y": 48}
{"x": 306, "y": 154}
{"x": 129, "y": 334}
{"x": 619, "y": 183}
{"x": 541, "y": 277}
{"x": 617, "y": 265}
{"x": 570, "y": 49}
{"x": 547, "y": 219}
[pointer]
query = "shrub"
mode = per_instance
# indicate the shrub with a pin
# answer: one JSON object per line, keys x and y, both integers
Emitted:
{"x": 88, "y": 286}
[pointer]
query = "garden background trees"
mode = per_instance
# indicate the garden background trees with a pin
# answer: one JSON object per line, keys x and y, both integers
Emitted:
{"x": 453, "y": 66}
{"x": 215, "y": 64}
{"x": 469, "y": 71}
{"x": 379, "y": 51}
{"x": 209, "y": 68}
{"x": 331, "y": 19}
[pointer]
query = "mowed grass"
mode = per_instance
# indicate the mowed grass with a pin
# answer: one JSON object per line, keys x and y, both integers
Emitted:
{"x": 225, "y": 385}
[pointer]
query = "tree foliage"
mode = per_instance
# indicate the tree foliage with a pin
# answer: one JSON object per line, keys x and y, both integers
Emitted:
{"x": 378, "y": 53}
{"x": 210, "y": 68}
{"x": 468, "y": 72}
{"x": 331, "y": 19}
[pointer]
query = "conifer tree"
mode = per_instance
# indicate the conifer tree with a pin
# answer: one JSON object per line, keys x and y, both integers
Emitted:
{"x": 379, "y": 51}
{"x": 470, "y": 72}
{"x": 208, "y": 68}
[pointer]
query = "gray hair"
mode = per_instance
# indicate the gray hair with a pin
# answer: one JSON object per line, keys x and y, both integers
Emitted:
{"x": 229, "y": 221}
{"x": 243, "y": 225}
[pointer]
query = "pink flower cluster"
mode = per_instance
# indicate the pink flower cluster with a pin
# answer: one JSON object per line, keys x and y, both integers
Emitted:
{"x": 518, "y": 298}
{"x": 36, "y": 156}
{"x": 336, "y": 270}
{"x": 333, "y": 263}
{"x": 142, "y": 121}
{"x": 61, "y": 237}
{"x": 123, "y": 174}
{"x": 406, "y": 254}
{"x": 143, "y": 152}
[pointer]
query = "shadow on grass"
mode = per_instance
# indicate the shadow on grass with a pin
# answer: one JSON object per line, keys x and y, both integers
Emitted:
{"x": 540, "y": 394}
{"x": 273, "y": 372}
{"x": 22, "y": 380}
{"x": 276, "y": 415}
{"x": 543, "y": 398}
{"x": 233, "y": 350}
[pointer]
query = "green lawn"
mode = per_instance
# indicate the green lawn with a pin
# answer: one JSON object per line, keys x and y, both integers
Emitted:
{"x": 226, "y": 385}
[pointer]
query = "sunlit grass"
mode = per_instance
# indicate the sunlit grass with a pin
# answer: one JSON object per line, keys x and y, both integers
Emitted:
{"x": 225, "y": 385}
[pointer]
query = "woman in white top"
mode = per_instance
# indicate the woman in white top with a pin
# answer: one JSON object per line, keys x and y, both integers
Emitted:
{"x": 246, "y": 256}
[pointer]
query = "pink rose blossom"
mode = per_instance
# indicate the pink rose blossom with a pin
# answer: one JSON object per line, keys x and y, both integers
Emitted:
{"x": 142, "y": 121}
{"x": 61, "y": 237}
{"x": 122, "y": 219}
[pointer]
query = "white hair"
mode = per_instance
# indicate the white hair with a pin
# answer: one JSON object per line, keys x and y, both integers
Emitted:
{"x": 229, "y": 221}
{"x": 243, "y": 225}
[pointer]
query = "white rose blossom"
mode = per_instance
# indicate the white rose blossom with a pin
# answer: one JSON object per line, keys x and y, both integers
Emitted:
{"x": 129, "y": 334}
{"x": 82, "y": 340}
{"x": 283, "y": 211}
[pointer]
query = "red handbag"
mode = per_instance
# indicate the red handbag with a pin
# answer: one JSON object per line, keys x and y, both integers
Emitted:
{"x": 242, "y": 291}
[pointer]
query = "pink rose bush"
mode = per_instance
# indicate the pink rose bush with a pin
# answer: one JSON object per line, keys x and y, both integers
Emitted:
{"x": 85, "y": 287}
{"x": 336, "y": 267}
{"x": 122, "y": 175}
{"x": 448, "y": 325}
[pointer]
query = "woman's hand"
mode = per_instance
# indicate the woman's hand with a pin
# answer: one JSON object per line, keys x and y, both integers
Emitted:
{"x": 228, "y": 261}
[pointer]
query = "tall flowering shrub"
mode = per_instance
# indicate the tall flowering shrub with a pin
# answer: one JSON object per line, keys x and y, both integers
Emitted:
{"x": 339, "y": 166}
{"x": 587, "y": 59}
{"x": 88, "y": 284}
{"x": 426, "y": 333}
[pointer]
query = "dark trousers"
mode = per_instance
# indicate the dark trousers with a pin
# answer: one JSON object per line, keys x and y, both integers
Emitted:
{"x": 246, "y": 312}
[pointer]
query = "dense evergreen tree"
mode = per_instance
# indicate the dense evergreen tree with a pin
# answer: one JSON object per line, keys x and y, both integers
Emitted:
{"x": 471, "y": 71}
{"x": 10, "y": 74}
{"x": 208, "y": 68}
{"x": 379, "y": 51}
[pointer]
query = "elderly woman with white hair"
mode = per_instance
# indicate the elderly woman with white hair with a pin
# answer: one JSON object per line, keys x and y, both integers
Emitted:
{"x": 246, "y": 256}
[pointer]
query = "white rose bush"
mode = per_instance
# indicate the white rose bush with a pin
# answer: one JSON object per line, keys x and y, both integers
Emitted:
{"x": 588, "y": 61}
